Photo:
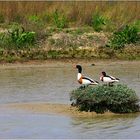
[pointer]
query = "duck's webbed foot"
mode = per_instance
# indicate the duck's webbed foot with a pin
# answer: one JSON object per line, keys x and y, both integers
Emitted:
{"x": 83, "y": 87}
{"x": 110, "y": 84}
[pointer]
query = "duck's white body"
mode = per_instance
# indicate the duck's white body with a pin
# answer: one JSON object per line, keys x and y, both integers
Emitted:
{"x": 108, "y": 79}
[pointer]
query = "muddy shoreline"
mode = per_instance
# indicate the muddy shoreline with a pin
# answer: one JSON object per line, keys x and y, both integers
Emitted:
{"x": 65, "y": 62}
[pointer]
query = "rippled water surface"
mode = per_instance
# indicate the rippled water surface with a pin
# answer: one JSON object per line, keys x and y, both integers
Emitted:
{"x": 52, "y": 84}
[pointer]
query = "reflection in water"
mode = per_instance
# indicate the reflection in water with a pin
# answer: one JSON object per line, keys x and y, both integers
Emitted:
{"x": 53, "y": 84}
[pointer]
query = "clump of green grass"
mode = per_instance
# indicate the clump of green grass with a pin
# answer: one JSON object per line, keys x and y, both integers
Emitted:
{"x": 136, "y": 23}
{"x": 59, "y": 20}
{"x": 98, "y": 22}
{"x": 118, "y": 99}
{"x": 17, "y": 37}
{"x": 127, "y": 35}
{"x": 34, "y": 18}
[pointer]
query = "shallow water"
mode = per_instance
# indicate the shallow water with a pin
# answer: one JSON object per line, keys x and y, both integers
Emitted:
{"x": 62, "y": 127}
{"x": 52, "y": 84}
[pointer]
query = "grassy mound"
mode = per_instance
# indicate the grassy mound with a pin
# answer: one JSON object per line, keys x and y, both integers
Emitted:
{"x": 118, "y": 99}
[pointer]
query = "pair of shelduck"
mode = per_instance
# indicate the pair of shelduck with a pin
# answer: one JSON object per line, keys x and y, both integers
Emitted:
{"x": 83, "y": 80}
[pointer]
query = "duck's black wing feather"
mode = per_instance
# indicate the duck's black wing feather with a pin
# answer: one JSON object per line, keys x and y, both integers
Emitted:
{"x": 87, "y": 78}
{"x": 113, "y": 78}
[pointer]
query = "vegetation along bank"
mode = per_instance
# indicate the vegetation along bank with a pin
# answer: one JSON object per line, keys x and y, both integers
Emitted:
{"x": 59, "y": 30}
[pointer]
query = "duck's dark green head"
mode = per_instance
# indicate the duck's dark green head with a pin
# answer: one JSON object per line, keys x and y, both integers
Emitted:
{"x": 104, "y": 73}
{"x": 79, "y": 68}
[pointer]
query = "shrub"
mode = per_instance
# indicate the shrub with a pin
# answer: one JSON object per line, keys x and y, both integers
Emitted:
{"x": 127, "y": 35}
{"x": 118, "y": 99}
{"x": 17, "y": 37}
{"x": 59, "y": 20}
{"x": 98, "y": 22}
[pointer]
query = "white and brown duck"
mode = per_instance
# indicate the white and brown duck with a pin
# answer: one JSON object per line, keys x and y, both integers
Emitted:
{"x": 108, "y": 78}
{"x": 83, "y": 80}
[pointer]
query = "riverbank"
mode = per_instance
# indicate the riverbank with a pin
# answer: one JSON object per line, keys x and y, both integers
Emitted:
{"x": 69, "y": 43}
{"x": 63, "y": 33}
{"x": 100, "y": 53}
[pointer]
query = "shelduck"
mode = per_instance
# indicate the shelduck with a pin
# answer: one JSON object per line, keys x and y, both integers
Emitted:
{"x": 84, "y": 80}
{"x": 108, "y": 79}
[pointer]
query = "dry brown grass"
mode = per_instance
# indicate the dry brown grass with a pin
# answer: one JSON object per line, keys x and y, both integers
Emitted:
{"x": 77, "y": 11}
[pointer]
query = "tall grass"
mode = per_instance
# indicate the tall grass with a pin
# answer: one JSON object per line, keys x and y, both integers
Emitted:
{"x": 77, "y": 12}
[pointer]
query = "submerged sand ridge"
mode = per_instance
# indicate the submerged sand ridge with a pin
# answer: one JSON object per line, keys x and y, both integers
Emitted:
{"x": 61, "y": 109}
